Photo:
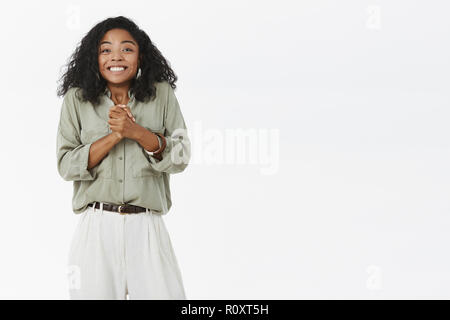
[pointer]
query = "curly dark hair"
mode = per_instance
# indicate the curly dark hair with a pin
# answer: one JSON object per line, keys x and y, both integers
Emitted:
{"x": 82, "y": 70}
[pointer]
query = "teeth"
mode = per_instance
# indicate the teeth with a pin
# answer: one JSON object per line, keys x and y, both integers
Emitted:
{"x": 117, "y": 68}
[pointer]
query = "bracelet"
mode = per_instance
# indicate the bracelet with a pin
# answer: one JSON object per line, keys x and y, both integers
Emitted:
{"x": 162, "y": 144}
{"x": 159, "y": 142}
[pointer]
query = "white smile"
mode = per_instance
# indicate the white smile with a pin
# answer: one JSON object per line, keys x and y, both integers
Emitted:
{"x": 116, "y": 69}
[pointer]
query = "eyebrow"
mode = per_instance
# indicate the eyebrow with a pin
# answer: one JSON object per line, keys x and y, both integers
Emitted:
{"x": 124, "y": 41}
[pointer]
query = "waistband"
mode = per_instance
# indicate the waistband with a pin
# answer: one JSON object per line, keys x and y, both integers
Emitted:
{"x": 120, "y": 208}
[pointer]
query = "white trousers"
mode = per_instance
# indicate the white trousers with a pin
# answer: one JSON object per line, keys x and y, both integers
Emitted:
{"x": 112, "y": 255}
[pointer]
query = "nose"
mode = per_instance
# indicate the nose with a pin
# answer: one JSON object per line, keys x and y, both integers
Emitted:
{"x": 117, "y": 56}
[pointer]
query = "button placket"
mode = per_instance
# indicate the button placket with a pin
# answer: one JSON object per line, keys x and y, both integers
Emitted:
{"x": 123, "y": 173}
{"x": 121, "y": 168}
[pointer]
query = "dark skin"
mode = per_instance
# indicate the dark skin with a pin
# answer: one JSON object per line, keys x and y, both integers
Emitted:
{"x": 118, "y": 48}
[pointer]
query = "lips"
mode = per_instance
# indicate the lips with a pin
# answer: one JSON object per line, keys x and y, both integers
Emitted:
{"x": 117, "y": 68}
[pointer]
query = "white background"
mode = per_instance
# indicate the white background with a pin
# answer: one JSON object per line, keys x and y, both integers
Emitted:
{"x": 358, "y": 92}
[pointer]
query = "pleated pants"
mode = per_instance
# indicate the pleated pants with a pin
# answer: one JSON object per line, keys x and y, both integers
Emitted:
{"x": 130, "y": 256}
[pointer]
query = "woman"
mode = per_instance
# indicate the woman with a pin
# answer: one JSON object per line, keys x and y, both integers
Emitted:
{"x": 121, "y": 134}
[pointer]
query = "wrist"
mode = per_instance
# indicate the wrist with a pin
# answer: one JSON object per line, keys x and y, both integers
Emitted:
{"x": 117, "y": 136}
{"x": 161, "y": 144}
{"x": 139, "y": 134}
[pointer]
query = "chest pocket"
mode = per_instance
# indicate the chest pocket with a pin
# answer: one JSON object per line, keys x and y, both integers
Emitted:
{"x": 103, "y": 169}
{"x": 141, "y": 162}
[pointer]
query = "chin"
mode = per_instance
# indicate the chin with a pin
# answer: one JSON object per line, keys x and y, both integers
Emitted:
{"x": 117, "y": 81}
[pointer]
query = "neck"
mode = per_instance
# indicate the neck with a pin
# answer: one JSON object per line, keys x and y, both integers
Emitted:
{"x": 119, "y": 93}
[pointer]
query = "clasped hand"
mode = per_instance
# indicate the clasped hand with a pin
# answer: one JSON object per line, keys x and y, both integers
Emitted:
{"x": 122, "y": 122}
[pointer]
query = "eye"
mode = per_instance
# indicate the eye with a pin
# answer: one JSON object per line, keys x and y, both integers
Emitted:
{"x": 128, "y": 49}
{"x": 104, "y": 50}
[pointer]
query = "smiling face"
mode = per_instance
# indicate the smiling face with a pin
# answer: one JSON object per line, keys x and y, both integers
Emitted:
{"x": 118, "y": 57}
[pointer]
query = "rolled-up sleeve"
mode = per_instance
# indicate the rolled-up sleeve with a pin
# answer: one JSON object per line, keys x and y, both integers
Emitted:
{"x": 72, "y": 156}
{"x": 177, "y": 153}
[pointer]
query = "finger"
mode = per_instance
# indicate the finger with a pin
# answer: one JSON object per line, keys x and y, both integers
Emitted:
{"x": 115, "y": 114}
{"x": 131, "y": 115}
{"x": 118, "y": 117}
{"x": 113, "y": 122}
{"x": 128, "y": 110}
{"x": 115, "y": 108}
{"x": 119, "y": 112}
{"x": 120, "y": 109}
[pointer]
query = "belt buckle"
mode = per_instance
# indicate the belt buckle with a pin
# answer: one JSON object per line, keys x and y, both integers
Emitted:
{"x": 120, "y": 212}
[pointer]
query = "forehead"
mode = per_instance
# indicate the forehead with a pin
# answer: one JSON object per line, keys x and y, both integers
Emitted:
{"x": 117, "y": 35}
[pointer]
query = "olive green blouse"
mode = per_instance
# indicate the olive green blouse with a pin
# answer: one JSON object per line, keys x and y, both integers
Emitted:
{"x": 127, "y": 174}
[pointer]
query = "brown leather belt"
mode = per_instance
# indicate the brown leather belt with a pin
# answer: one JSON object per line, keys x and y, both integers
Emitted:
{"x": 120, "y": 208}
